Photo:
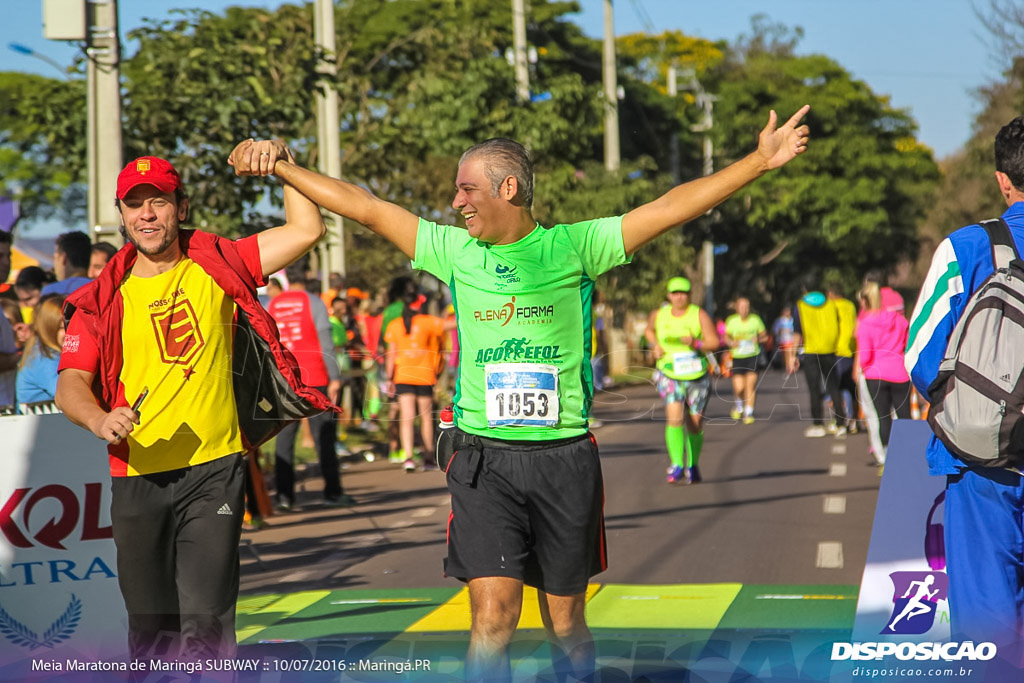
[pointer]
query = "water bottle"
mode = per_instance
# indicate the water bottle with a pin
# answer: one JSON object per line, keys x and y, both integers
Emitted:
{"x": 445, "y": 437}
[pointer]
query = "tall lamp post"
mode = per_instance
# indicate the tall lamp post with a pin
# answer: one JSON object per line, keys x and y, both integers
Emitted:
{"x": 332, "y": 250}
{"x": 103, "y": 54}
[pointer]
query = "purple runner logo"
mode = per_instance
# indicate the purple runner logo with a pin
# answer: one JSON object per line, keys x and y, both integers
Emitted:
{"x": 916, "y": 597}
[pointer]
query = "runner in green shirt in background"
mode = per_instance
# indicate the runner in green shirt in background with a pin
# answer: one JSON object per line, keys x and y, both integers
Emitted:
{"x": 744, "y": 333}
{"x": 525, "y": 480}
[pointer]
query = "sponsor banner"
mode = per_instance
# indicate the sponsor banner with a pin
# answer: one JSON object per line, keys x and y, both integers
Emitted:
{"x": 903, "y": 590}
{"x": 59, "y": 597}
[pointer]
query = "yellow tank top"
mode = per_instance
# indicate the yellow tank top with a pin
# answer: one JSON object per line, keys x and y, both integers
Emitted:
{"x": 679, "y": 361}
{"x": 177, "y": 336}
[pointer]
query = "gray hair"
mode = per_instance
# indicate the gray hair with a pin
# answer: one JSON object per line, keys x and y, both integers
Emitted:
{"x": 505, "y": 158}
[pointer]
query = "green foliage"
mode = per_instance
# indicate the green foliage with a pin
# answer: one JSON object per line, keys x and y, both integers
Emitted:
{"x": 852, "y": 202}
{"x": 42, "y": 144}
{"x": 421, "y": 80}
{"x": 968, "y": 192}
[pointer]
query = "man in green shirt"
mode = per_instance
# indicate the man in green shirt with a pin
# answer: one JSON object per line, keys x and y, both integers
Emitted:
{"x": 525, "y": 480}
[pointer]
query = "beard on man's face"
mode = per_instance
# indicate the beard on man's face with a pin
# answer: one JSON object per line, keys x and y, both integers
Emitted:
{"x": 169, "y": 238}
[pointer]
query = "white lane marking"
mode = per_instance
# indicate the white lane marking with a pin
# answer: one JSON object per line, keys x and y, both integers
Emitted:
{"x": 379, "y": 601}
{"x": 804, "y": 597}
{"x": 837, "y": 469}
{"x": 834, "y": 505}
{"x": 401, "y": 524}
{"x": 830, "y": 555}
{"x": 424, "y": 512}
{"x": 839, "y": 449}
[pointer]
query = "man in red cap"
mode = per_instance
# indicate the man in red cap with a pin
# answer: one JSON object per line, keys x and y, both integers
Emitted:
{"x": 153, "y": 364}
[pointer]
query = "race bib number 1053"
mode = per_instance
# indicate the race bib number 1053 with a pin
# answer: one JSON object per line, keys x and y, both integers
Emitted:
{"x": 521, "y": 394}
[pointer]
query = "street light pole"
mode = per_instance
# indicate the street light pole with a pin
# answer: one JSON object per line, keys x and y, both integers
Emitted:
{"x": 103, "y": 107}
{"x": 519, "y": 51}
{"x": 328, "y": 138}
{"x": 611, "y": 92}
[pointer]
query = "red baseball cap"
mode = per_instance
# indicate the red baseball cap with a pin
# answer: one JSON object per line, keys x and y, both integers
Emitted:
{"x": 148, "y": 171}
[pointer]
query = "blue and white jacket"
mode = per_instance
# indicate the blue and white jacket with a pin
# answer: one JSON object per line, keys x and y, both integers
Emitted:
{"x": 960, "y": 264}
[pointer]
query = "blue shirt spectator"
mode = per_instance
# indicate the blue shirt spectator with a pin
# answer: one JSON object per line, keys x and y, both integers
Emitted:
{"x": 37, "y": 374}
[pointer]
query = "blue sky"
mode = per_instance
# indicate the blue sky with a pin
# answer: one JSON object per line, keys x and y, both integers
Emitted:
{"x": 927, "y": 55}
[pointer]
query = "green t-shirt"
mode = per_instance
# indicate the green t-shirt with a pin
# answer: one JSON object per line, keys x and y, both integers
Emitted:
{"x": 679, "y": 361}
{"x": 523, "y": 313}
{"x": 391, "y": 311}
{"x": 339, "y": 336}
{"x": 744, "y": 333}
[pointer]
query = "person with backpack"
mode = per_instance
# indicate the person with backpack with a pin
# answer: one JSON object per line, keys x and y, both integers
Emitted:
{"x": 955, "y": 343}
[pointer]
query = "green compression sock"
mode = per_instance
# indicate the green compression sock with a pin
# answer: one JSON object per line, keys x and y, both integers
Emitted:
{"x": 675, "y": 441}
{"x": 694, "y": 444}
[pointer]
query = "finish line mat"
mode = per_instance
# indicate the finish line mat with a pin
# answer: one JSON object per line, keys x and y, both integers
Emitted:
{"x": 755, "y": 632}
{"x": 317, "y": 615}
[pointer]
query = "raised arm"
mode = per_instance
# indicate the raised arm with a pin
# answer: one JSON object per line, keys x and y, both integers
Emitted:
{"x": 776, "y": 147}
{"x": 388, "y": 220}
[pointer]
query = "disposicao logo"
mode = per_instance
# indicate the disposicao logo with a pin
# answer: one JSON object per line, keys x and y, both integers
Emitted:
{"x": 916, "y": 597}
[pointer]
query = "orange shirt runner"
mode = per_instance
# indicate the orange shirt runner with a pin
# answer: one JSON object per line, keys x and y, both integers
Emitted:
{"x": 417, "y": 352}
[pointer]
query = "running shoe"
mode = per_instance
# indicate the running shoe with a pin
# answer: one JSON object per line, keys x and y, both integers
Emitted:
{"x": 693, "y": 475}
{"x": 341, "y": 450}
{"x": 396, "y": 456}
{"x": 840, "y": 433}
{"x": 735, "y": 414}
{"x": 815, "y": 431}
{"x": 410, "y": 465}
{"x": 748, "y": 420}
{"x": 676, "y": 474}
{"x": 342, "y": 501}
{"x": 255, "y": 524}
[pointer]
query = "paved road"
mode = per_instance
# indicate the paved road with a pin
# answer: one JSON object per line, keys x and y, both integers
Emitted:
{"x": 775, "y": 507}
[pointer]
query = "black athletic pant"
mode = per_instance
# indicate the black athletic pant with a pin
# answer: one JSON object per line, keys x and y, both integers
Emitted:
{"x": 325, "y": 433}
{"x": 820, "y": 374}
{"x": 844, "y": 368}
{"x": 177, "y": 537}
{"x": 887, "y": 397}
{"x": 252, "y": 505}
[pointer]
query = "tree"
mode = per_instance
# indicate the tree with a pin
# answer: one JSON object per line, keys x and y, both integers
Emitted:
{"x": 42, "y": 145}
{"x": 852, "y": 202}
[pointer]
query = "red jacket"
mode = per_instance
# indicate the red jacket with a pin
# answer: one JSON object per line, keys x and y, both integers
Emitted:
{"x": 268, "y": 396}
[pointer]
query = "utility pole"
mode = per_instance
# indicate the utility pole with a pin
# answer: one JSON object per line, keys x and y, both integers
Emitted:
{"x": 673, "y": 143}
{"x": 103, "y": 118}
{"x": 611, "y": 92}
{"x": 332, "y": 250}
{"x": 519, "y": 50}
{"x": 706, "y": 102}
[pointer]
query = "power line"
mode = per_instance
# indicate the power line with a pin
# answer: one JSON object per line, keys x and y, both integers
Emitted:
{"x": 641, "y": 13}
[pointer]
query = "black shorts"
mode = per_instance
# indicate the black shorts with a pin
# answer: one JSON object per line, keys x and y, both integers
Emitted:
{"x": 744, "y": 365}
{"x": 417, "y": 389}
{"x": 532, "y": 511}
